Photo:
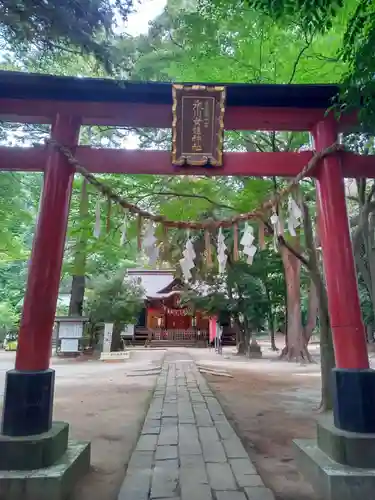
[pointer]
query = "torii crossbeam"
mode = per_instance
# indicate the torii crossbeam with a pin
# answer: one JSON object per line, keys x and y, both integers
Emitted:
{"x": 67, "y": 103}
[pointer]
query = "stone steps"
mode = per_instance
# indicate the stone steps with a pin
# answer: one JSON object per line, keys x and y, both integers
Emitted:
{"x": 171, "y": 343}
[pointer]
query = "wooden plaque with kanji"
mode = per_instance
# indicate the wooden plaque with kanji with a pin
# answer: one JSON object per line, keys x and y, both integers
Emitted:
{"x": 198, "y": 125}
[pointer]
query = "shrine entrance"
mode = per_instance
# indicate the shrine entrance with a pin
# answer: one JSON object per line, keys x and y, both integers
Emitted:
{"x": 198, "y": 115}
{"x": 164, "y": 319}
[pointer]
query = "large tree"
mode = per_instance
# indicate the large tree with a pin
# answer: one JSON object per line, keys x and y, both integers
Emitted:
{"x": 87, "y": 25}
{"x": 352, "y": 20}
{"x": 230, "y": 45}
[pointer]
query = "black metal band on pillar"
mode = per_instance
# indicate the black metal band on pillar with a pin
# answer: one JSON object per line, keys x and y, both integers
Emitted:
{"x": 28, "y": 402}
{"x": 354, "y": 400}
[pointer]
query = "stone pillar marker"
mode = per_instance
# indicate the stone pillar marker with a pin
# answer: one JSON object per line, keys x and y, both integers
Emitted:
{"x": 107, "y": 339}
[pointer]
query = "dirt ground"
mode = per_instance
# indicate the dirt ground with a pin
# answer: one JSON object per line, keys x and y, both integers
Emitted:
{"x": 112, "y": 427}
{"x": 270, "y": 403}
{"x": 104, "y": 403}
{"x": 106, "y": 407}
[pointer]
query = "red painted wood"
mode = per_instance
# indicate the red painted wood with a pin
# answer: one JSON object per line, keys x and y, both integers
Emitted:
{"x": 159, "y": 162}
{"x": 158, "y": 116}
{"x": 125, "y": 161}
{"x": 23, "y": 159}
{"x": 354, "y": 165}
{"x": 35, "y": 335}
{"x": 344, "y": 307}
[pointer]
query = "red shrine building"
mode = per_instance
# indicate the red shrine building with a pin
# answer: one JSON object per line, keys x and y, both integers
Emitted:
{"x": 164, "y": 318}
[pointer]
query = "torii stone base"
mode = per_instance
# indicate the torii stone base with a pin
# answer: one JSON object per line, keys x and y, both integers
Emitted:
{"x": 340, "y": 465}
{"x": 42, "y": 467}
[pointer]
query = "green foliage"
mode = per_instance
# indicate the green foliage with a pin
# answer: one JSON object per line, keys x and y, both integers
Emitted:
{"x": 97, "y": 256}
{"x": 248, "y": 295}
{"x": 16, "y": 211}
{"x": 268, "y": 268}
{"x": 366, "y": 304}
{"x": 8, "y": 318}
{"x": 247, "y": 291}
{"x": 12, "y": 282}
{"x": 227, "y": 44}
{"x": 348, "y": 27}
{"x": 358, "y": 51}
{"x": 314, "y": 15}
{"x": 114, "y": 300}
{"x": 48, "y": 26}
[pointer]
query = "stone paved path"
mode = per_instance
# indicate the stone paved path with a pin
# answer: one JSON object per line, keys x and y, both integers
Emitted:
{"x": 187, "y": 449}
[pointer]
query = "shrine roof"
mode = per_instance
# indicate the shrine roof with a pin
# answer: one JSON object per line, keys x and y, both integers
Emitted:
{"x": 174, "y": 287}
{"x": 30, "y": 86}
{"x": 152, "y": 281}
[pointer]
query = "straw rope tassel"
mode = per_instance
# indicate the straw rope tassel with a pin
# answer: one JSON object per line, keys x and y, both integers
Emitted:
{"x": 207, "y": 241}
{"x": 165, "y": 241}
{"x": 264, "y": 208}
{"x": 139, "y": 233}
{"x": 124, "y": 229}
{"x": 280, "y": 225}
{"x": 235, "y": 243}
{"x": 275, "y": 224}
{"x": 85, "y": 193}
{"x": 262, "y": 244}
{"x": 109, "y": 210}
{"x": 97, "y": 219}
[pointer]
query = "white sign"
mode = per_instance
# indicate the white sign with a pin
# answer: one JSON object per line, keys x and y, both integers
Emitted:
{"x": 219, "y": 331}
{"x": 128, "y": 331}
{"x": 107, "y": 340}
{"x": 70, "y": 330}
{"x": 69, "y": 345}
{"x": 115, "y": 356}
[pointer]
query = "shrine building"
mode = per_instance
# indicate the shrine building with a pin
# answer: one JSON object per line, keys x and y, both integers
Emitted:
{"x": 164, "y": 320}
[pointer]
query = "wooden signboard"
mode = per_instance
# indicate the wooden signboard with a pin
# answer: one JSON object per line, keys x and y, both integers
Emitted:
{"x": 198, "y": 125}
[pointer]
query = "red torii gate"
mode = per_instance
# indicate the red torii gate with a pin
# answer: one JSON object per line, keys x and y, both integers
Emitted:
{"x": 67, "y": 103}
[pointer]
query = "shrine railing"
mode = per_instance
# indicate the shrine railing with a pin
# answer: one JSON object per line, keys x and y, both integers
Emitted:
{"x": 179, "y": 334}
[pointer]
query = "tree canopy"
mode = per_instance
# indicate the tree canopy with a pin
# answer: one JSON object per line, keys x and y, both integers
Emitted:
{"x": 219, "y": 40}
{"x": 334, "y": 34}
{"x": 353, "y": 21}
{"x": 87, "y": 25}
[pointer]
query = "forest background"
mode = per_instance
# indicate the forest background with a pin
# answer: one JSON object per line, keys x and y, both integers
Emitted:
{"x": 209, "y": 41}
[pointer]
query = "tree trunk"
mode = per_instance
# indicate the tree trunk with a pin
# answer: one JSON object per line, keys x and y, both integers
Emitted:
{"x": 371, "y": 257}
{"x": 241, "y": 341}
{"x": 271, "y": 321}
{"x": 116, "y": 344}
{"x": 326, "y": 342}
{"x": 79, "y": 266}
{"x": 296, "y": 346}
{"x": 273, "y": 339}
{"x": 77, "y": 296}
{"x": 327, "y": 360}
{"x": 327, "y": 356}
{"x": 285, "y": 331}
{"x": 247, "y": 334}
{"x": 370, "y": 333}
{"x": 363, "y": 238}
{"x": 313, "y": 311}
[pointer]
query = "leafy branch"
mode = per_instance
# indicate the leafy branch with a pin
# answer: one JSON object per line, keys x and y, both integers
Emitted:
{"x": 191, "y": 195}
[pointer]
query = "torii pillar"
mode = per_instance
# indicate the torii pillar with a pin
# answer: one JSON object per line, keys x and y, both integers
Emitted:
{"x": 29, "y": 391}
{"x": 340, "y": 462}
{"x": 353, "y": 381}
